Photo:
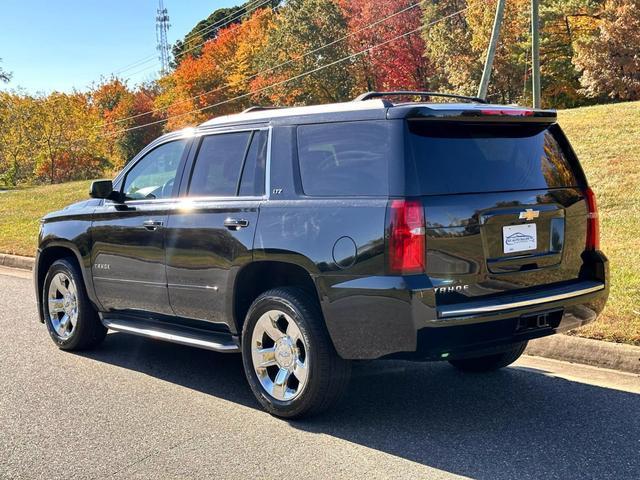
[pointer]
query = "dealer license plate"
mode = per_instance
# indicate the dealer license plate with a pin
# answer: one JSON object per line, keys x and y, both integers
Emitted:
{"x": 519, "y": 238}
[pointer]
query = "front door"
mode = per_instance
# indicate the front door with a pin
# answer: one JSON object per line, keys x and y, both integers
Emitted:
{"x": 128, "y": 257}
{"x": 210, "y": 237}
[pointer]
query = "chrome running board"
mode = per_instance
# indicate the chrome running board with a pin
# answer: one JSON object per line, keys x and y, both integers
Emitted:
{"x": 218, "y": 342}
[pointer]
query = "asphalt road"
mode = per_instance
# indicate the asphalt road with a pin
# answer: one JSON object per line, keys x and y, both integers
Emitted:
{"x": 140, "y": 408}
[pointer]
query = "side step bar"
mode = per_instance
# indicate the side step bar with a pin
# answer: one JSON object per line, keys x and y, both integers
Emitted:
{"x": 218, "y": 342}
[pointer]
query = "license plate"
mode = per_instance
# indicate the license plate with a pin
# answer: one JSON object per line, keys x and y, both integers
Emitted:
{"x": 519, "y": 238}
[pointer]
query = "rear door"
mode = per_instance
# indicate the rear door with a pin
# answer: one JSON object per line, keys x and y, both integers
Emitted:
{"x": 211, "y": 236}
{"x": 504, "y": 206}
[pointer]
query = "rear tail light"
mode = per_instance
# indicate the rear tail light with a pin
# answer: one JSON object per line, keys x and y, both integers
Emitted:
{"x": 406, "y": 244}
{"x": 593, "y": 227}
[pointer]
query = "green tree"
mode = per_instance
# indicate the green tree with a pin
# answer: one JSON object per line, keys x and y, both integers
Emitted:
{"x": 68, "y": 140}
{"x": 302, "y": 26}
{"x": 17, "y": 152}
{"x": 207, "y": 29}
{"x": 458, "y": 46}
{"x": 4, "y": 76}
{"x": 564, "y": 23}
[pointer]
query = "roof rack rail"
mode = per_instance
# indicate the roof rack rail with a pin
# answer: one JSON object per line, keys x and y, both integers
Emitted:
{"x": 370, "y": 95}
{"x": 258, "y": 108}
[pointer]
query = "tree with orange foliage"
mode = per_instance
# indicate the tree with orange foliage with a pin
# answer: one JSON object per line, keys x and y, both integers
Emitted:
{"x": 200, "y": 87}
{"x": 122, "y": 110}
{"x": 610, "y": 59}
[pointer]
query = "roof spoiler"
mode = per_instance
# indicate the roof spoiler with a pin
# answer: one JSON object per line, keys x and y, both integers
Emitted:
{"x": 410, "y": 93}
{"x": 490, "y": 114}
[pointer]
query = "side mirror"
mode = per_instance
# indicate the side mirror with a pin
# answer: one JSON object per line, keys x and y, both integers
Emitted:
{"x": 101, "y": 189}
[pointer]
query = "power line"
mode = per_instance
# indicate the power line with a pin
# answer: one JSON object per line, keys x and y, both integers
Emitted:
{"x": 208, "y": 27}
{"x": 282, "y": 82}
{"x": 133, "y": 74}
{"x": 218, "y": 25}
{"x": 271, "y": 69}
{"x": 131, "y": 65}
{"x": 211, "y": 27}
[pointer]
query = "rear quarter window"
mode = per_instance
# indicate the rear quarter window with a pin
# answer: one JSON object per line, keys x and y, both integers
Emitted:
{"x": 344, "y": 159}
{"x": 470, "y": 158}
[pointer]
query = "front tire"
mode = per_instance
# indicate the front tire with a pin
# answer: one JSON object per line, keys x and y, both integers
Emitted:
{"x": 71, "y": 319}
{"x": 289, "y": 360}
{"x": 490, "y": 362}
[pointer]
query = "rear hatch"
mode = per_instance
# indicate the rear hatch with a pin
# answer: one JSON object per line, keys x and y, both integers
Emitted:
{"x": 504, "y": 203}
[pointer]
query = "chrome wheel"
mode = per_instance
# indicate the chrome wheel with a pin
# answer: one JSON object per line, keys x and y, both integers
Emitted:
{"x": 279, "y": 355}
{"x": 62, "y": 301}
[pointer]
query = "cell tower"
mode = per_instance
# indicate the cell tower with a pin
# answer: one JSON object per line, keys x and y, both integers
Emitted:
{"x": 162, "y": 27}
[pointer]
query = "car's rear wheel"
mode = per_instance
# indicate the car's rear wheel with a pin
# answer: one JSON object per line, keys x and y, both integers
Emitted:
{"x": 289, "y": 360}
{"x": 71, "y": 320}
{"x": 490, "y": 362}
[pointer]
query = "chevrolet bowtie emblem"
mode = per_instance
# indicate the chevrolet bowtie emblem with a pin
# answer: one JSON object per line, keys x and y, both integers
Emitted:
{"x": 529, "y": 214}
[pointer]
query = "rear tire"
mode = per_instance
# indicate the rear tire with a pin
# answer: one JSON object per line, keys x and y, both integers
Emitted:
{"x": 71, "y": 319}
{"x": 298, "y": 373}
{"x": 490, "y": 362}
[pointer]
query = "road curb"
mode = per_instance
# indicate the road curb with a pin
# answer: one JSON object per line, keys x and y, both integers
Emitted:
{"x": 16, "y": 261}
{"x": 616, "y": 356}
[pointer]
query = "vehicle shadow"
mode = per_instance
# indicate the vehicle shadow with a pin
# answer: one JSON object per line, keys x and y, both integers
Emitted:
{"x": 217, "y": 374}
{"x": 515, "y": 423}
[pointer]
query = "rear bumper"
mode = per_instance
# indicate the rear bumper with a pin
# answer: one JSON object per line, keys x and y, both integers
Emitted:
{"x": 461, "y": 337}
{"x": 374, "y": 317}
{"x": 513, "y": 302}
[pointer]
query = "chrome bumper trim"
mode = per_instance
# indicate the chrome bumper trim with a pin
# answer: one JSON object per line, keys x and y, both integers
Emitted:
{"x": 523, "y": 303}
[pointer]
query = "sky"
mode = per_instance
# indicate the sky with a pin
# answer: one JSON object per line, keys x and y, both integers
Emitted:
{"x": 66, "y": 44}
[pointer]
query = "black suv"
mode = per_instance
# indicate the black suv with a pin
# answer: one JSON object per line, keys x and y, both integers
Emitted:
{"x": 308, "y": 237}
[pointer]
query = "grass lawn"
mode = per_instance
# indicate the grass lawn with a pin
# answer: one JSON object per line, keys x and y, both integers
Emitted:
{"x": 607, "y": 141}
{"x": 21, "y": 210}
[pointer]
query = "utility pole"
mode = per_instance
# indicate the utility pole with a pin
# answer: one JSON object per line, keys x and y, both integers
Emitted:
{"x": 162, "y": 27}
{"x": 535, "y": 53}
{"x": 488, "y": 65}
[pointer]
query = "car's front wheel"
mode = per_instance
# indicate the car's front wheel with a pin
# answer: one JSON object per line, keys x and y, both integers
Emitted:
{"x": 491, "y": 362}
{"x": 72, "y": 321}
{"x": 289, "y": 359}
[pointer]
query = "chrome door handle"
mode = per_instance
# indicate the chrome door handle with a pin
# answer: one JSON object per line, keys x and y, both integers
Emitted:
{"x": 235, "y": 223}
{"x": 152, "y": 224}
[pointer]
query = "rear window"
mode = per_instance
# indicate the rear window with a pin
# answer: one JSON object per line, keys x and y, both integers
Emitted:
{"x": 462, "y": 158}
{"x": 219, "y": 165}
{"x": 345, "y": 159}
{"x": 230, "y": 164}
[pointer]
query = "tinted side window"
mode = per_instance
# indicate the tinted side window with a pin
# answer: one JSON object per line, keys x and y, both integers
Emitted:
{"x": 219, "y": 164}
{"x": 252, "y": 183}
{"x": 463, "y": 158}
{"x": 347, "y": 159}
{"x": 154, "y": 174}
